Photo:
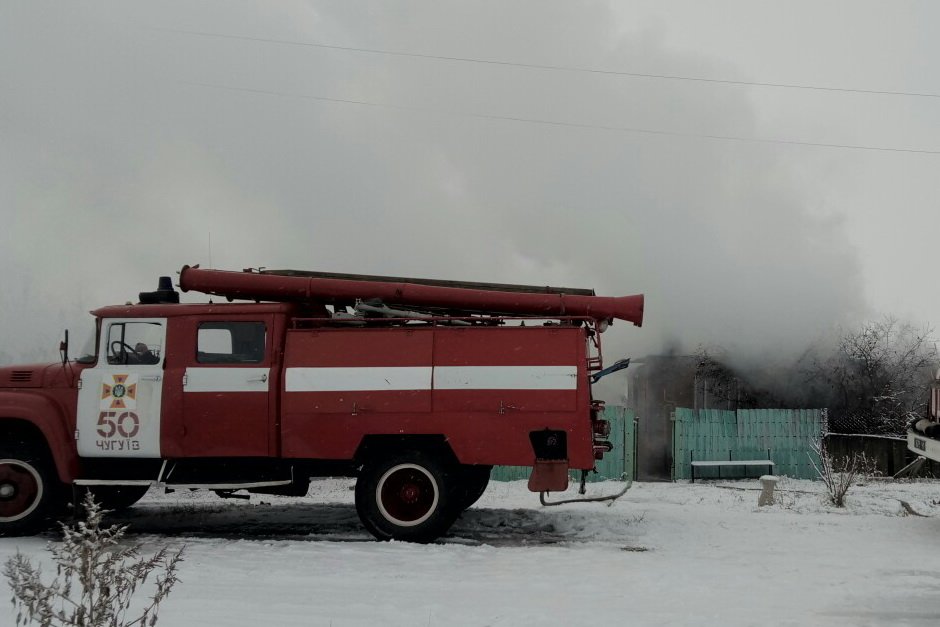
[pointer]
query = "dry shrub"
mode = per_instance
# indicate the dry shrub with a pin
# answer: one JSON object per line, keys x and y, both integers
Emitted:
{"x": 96, "y": 578}
{"x": 838, "y": 474}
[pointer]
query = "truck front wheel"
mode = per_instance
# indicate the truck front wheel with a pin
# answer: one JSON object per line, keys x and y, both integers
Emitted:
{"x": 26, "y": 489}
{"x": 406, "y": 496}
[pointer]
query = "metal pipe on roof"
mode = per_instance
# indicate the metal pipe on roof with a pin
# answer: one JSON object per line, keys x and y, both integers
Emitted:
{"x": 260, "y": 286}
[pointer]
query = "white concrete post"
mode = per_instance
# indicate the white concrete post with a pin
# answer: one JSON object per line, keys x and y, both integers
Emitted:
{"x": 766, "y": 497}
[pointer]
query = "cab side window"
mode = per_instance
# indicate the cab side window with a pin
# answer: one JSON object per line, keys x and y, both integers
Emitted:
{"x": 230, "y": 342}
{"x": 131, "y": 343}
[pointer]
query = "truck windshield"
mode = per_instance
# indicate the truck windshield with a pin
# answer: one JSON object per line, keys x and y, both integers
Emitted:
{"x": 88, "y": 352}
{"x": 134, "y": 342}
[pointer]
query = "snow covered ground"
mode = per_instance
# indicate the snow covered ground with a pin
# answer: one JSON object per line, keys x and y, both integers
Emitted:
{"x": 665, "y": 554}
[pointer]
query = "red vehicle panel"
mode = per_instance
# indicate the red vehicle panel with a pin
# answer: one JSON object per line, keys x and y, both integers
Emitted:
{"x": 463, "y": 383}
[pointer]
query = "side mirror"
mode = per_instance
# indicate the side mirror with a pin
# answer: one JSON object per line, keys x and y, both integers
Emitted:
{"x": 64, "y": 348}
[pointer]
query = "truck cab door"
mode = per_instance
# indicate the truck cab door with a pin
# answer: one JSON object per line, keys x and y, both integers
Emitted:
{"x": 119, "y": 398}
{"x": 227, "y": 379}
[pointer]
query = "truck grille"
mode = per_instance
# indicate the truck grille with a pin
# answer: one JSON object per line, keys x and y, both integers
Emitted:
{"x": 21, "y": 376}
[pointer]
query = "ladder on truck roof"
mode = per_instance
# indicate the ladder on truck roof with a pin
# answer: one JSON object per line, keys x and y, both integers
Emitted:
{"x": 325, "y": 288}
{"x": 471, "y": 285}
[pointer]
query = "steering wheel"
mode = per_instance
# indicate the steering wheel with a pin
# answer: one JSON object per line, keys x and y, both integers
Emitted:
{"x": 122, "y": 348}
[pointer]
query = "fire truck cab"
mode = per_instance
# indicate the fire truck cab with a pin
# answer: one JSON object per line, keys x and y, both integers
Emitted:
{"x": 416, "y": 388}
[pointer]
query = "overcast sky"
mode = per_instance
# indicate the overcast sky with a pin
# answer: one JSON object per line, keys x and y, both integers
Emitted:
{"x": 500, "y": 141}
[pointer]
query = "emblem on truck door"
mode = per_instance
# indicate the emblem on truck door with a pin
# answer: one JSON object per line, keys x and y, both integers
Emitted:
{"x": 120, "y": 393}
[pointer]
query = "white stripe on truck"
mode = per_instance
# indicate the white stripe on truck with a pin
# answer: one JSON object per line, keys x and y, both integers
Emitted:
{"x": 358, "y": 379}
{"x": 420, "y": 378}
{"x": 227, "y": 380}
{"x": 506, "y": 378}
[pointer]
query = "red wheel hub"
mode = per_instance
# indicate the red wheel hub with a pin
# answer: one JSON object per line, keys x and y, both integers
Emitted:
{"x": 19, "y": 489}
{"x": 407, "y": 494}
{"x": 410, "y": 493}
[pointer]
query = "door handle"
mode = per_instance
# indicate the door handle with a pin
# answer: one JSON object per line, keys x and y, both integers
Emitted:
{"x": 151, "y": 377}
{"x": 503, "y": 407}
{"x": 262, "y": 379}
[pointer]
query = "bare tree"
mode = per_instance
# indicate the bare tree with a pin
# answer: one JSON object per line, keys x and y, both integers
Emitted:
{"x": 877, "y": 378}
{"x": 96, "y": 578}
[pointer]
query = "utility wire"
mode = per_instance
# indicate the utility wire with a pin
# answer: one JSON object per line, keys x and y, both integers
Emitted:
{"x": 561, "y": 68}
{"x": 508, "y": 118}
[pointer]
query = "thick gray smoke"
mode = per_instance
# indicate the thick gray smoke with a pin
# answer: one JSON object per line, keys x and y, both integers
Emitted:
{"x": 118, "y": 164}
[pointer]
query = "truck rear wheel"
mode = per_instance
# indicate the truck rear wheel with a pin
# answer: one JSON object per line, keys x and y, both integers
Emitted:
{"x": 406, "y": 496}
{"x": 27, "y": 488}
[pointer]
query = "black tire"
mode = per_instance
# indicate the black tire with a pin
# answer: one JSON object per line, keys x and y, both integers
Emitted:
{"x": 115, "y": 497}
{"x": 406, "y": 496}
{"x": 29, "y": 488}
{"x": 474, "y": 480}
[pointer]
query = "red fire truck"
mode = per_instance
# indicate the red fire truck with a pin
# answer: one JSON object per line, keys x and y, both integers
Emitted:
{"x": 415, "y": 387}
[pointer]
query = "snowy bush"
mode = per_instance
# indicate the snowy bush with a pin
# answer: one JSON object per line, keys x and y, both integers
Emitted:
{"x": 839, "y": 474}
{"x": 95, "y": 581}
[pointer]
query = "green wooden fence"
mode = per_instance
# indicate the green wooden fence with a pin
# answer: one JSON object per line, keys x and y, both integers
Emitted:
{"x": 712, "y": 434}
{"x": 615, "y": 464}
